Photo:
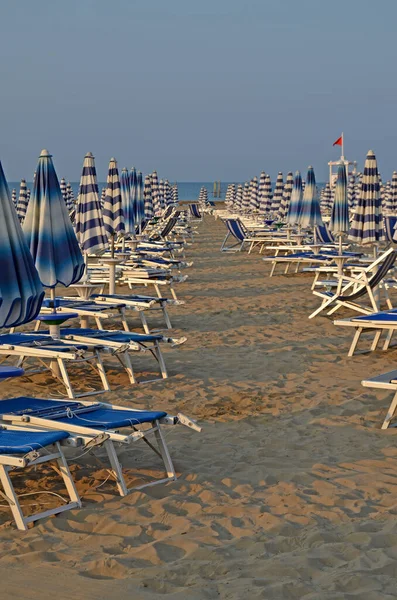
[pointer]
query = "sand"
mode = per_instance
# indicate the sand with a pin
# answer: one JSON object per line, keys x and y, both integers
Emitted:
{"x": 290, "y": 491}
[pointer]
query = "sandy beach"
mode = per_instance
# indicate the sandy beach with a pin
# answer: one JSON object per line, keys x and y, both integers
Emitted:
{"x": 289, "y": 492}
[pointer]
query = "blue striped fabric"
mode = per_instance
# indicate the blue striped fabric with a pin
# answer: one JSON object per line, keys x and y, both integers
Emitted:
{"x": 367, "y": 224}
{"x": 266, "y": 199}
{"x": 351, "y": 192}
{"x": 157, "y": 205}
{"x": 277, "y": 194}
{"x": 392, "y": 198}
{"x": 310, "y": 214}
{"x": 326, "y": 204}
{"x": 140, "y": 207}
{"x": 339, "y": 222}
{"x": 49, "y": 232}
{"x": 102, "y": 199}
{"x": 147, "y": 198}
{"x": 390, "y": 222}
{"x": 128, "y": 209}
{"x": 113, "y": 216}
{"x": 168, "y": 194}
{"x": 286, "y": 197}
{"x": 253, "y": 202}
{"x": 21, "y": 292}
{"x": 295, "y": 204}
{"x": 261, "y": 192}
{"x": 14, "y": 197}
{"x": 90, "y": 230}
{"x": 70, "y": 200}
{"x": 175, "y": 193}
{"x": 22, "y": 204}
{"x": 62, "y": 185}
{"x": 246, "y": 196}
{"x": 239, "y": 197}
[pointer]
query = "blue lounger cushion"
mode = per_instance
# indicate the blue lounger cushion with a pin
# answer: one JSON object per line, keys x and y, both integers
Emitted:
{"x": 96, "y": 415}
{"x": 129, "y": 297}
{"x": 381, "y": 316}
{"x": 113, "y": 336}
{"x": 21, "y": 442}
{"x": 19, "y": 339}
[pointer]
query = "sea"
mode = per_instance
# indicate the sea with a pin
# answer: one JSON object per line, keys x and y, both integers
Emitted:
{"x": 187, "y": 190}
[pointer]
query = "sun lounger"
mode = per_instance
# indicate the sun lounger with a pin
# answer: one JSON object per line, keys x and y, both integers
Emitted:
{"x": 373, "y": 323}
{"x": 21, "y": 448}
{"x": 55, "y": 356}
{"x": 356, "y": 288}
{"x": 387, "y": 381}
{"x": 99, "y": 423}
{"x": 237, "y": 230}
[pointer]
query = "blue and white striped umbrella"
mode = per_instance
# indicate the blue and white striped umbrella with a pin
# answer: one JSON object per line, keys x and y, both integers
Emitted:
{"x": 254, "y": 205}
{"x": 326, "y": 204}
{"x": 266, "y": 198}
{"x": 386, "y": 200}
{"x": 351, "y": 192}
{"x": 103, "y": 194}
{"x": 49, "y": 232}
{"x": 148, "y": 198}
{"x": 367, "y": 224}
{"x": 21, "y": 292}
{"x": 89, "y": 225}
{"x": 175, "y": 193}
{"x": 22, "y": 204}
{"x": 286, "y": 197}
{"x": 14, "y": 197}
{"x": 157, "y": 206}
{"x": 239, "y": 197}
{"x": 64, "y": 192}
{"x": 277, "y": 194}
{"x": 168, "y": 196}
{"x": 133, "y": 185}
{"x": 310, "y": 214}
{"x": 339, "y": 222}
{"x": 392, "y": 200}
{"x": 246, "y": 196}
{"x": 70, "y": 203}
{"x": 295, "y": 204}
{"x": 139, "y": 203}
{"x": 261, "y": 190}
{"x": 128, "y": 209}
{"x": 113, "y": 216}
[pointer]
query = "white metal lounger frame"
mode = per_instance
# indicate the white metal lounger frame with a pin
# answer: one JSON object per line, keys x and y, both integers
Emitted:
{"x": 357, "y": 286}
{"x": 387, "y": 381}
{"x": 58, "y": 362}
{"x": 9, "y": 462}
{"x": 108, "y": 438}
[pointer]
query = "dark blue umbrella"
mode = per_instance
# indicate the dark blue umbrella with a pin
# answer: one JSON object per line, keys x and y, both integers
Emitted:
{"x": 296, "y": 201}
{"x": 128, "y": 209}
{"x": 49, "y": 232}
{"x": 310, "y": 214}
{"x": 21, "y": 292}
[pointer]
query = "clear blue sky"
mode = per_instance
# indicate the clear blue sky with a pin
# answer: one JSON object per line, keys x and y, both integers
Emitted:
{"x": 197, "y": 89}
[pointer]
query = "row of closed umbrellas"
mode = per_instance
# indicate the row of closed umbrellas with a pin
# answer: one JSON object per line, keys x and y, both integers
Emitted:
{"x": 299, "y": 205}
{"x": 47, "y": 250}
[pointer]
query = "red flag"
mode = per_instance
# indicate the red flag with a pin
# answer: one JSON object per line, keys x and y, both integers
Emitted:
{"x": 339, "y": 141}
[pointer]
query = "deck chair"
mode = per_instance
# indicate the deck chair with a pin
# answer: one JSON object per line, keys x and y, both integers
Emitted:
{"x": 21, "y": 448}
{"x": 121, "y": 343}
{"x": 194, "y": 210}
{"x": 296, "y": 259}
{"x": 55, "y": 356}
{"x": 361, "y": 286}
{"x": 375, "y": 323}
{"x": 386, "y": 381}
{"x": 323, "y": 235}
{"x": 241, "y": 236}
{"x": 389, "y": 225}
{"x": 99, "y": 424}
{"x": 135, "y": 302}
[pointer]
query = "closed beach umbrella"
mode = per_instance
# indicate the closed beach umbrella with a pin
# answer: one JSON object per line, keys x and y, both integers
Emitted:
{"x": 277, "y": 194}
{"x": 295, "y": 204}
{"x": 147, "y": 198}
{"x": 261, "y": 190}
{"x": 266, "y": 197}
{"x": 169, "y": 198}
{"x": 103, "y": 194}
{"x": 128, "y": 209}
{"x": 286, "y": 197}
{"x": 90, "y": 229}
{"x": 14, "y": 197}
{"x": 113, "y": 216}
{"x": 367, "y": 224}
{"x": 339, "y": 223}
{"x": 327, "y": 201}
{"x": 253, "y": 204}
{"x": 21, "y": 292}
{"x": 139, "y": 203}
{"x": 392, "y": 200}
{"x": 351, "y": 192}
{"x": 175, "y": 193}
{"x": 239, "y": 197}
{"x": 246, "y": 196}
{"x": 70, "y": 196}
{"x": 22, "y": 204}
{"x": 49, "y": 232}
{"x": 157, "y": 206}
{"x": 64, "y": 192}
{"x": 310, "y": 214}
